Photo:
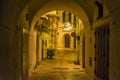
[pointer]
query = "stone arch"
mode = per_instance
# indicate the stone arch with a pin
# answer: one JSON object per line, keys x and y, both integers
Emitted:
{"x": 75, "y": 9}
{"x": 112, "y": 6}
{"x": 11, "y": 11}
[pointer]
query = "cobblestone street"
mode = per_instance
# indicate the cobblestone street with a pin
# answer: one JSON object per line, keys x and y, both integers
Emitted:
{"x": 62, "y": 67}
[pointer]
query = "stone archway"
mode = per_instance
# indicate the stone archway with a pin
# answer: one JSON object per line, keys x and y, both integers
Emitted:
{"x": 54, "y": 5}
{"x": 10, "y": 14}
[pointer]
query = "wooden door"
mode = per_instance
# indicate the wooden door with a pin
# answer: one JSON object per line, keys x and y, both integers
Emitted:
{"x": 67, "y": 41}
{"x": 102, "y": 52}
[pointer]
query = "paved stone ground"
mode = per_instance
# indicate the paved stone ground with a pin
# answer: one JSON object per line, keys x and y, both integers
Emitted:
{"x": 62, "y": 67}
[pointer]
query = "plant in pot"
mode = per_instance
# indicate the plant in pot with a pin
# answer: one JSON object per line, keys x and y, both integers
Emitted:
{"x": 50, "y": 53}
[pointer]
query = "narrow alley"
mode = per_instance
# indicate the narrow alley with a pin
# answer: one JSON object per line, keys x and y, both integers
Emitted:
{"x": 59, "y": 39}
{"x": 61, "y": 67}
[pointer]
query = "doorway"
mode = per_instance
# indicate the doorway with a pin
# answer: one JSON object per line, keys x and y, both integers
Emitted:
{"x": 37, "y": 50}
{"x": 83, "y": 52}
{"x": 102, "y": 52}
{"x": 42, "y": 50}
{"x": 74, "y": 42}
{"x": 67, "y": 41}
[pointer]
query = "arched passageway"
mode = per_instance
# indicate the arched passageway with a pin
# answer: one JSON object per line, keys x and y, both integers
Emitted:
{"x": 64, "y": 27}
{"x": 17, "y": 20}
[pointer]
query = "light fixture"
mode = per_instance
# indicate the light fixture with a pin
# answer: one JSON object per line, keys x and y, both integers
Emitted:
{"x": 67, "y": 27}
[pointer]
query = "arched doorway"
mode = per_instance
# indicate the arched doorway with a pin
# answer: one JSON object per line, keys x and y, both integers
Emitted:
{"x": 67, "y": 40}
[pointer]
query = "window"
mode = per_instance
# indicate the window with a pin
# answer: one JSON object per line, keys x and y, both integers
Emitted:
{"x": 75, "y": 18}
{"x": 90, "y": 61}
{"x": 75, "y": 21}
{"x": 27, "y": 17}
{"x": 100, "y": 9}
{"x": 69, "y": 17}
{"x": 63, "y": 15}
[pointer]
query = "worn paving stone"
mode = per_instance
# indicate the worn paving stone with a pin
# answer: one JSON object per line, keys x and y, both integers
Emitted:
{"x": 60, "y": 68}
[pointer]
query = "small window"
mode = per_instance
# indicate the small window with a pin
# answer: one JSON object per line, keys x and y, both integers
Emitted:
{"x": 74, "y": 18}
{"x": 90, "y": 40}
{"x": 69, "y": 17}
{"x": 57, "y": 33}
{"x": 63, "y": 15}
{"x": 90, "y": 61}
{"x": 100, "y": 9}
{"x": 27, "y": 17}
{"x": 75, "y": 21}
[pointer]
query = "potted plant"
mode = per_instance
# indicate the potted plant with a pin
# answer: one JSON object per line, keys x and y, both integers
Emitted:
{"x": 50, "y": 53}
